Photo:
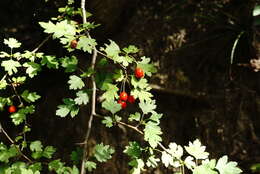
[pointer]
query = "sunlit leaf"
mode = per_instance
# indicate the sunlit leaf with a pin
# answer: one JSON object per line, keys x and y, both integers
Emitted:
{"x": 10, "y": 66}
{"x": 12, "y": 43}
{"x": 75, "y": 82}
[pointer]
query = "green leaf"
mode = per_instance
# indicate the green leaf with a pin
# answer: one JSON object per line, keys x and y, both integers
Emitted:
{"x": 131, "y": 49}
{"x": 142, "y": 95}
{"x": 108, "y": 121}
{"x": 225, "y": 167}
{"x": 76, "y": 155}
{"x": 103, "y": 62}
{"x": 4, "y": 54}
{"x": 48, "y": 152}
{"x": 55, "y": 165}
{"x": 10, "y": 66}
{"x": 3, "y": 84}
{"x": 75, "y": 170}
{"x": 147, "y": 106}
{"x": 36, "y": 146}
{"x": 118, "y": 118}
{"x": 68, "y": 107}
{"x": 86, "y": 44}
{"x": 35, "y": 167}
{"x": 50, "y": 61}
{"x": 28, "y": 109}
{"x": 152, "y": 161}
{"x": 111, "y": 92}
{"x": 19, "y": 80}
{"x": 88, "y": 73}
{"x": 12, "y": 43}
{"x": 59, "y": 29}
{"x": 136, "y": 117}
{"x": 103, "y": 152}
{"x": 7, "y": 153}
{"x": 70, "y": 2}
{"x": 134, "y": 150}
{"x": 82, "y": 98}
{"x": 3, "y": 102}
{"x": 112, "y": 50}
{"x": 167, "y": 159}
{"x": 69, "y": 63}
{"x": 255, "y": 167}
{"x": 138, "y": 166}
{"x": 111, "y": 106}
{"x": 204, "y": 169}
{"x": 197, "y": 150}
{"x": 30, "y": 96}
{"x": 18, "y": 118}
{"x": 26, "y": 171}
{"x": 146, "y": 67}
{"x": 90, "y": 165}
{"x": 75, "y": 82}
{"x": 155, "y": 117}
{"x": 63, "y": 110}
{"x": 152, "y": 133}
{"x": 256, "y": 10}
{"x": 142, "y": 83}
{"x": 32, "y": 68}
{"x": 175, "y": 150}
{"x": 118, "y": 76}
{"x": 124, "y": 60}
{"x": 103, "y": 79}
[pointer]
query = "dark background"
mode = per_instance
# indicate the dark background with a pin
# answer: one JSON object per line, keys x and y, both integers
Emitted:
{"x": 190, "y": 41}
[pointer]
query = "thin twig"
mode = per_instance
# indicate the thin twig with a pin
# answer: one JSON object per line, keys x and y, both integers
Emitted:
{"x": 16, "y": 93}
{"x": 130, "y": 126}
{"x": 12, "y": 142}
{"x": 41, "y": 44}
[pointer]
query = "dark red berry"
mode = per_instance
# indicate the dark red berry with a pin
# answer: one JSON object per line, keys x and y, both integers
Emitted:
{"x": 131, "y": 99}
{"x": 73, "y": 44}
{"x": 139, "y": 73}
{"x": 123, "y": 96}
{"x": 123, "y": 104}
{"x": 12, "y": 109}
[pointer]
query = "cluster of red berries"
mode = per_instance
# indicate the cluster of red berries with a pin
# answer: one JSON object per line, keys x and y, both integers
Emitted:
{"x": 123, "y": 98}
{"x": 12, "y": 109}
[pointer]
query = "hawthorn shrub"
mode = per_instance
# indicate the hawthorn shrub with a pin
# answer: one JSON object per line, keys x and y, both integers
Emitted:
{"x": 125, "y": 84}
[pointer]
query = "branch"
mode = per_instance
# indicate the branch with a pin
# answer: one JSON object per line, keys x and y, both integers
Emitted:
{"x": 94, "y": 89}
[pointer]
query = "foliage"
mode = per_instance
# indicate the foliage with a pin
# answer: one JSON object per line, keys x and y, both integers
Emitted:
{"x": 24, "y": 156}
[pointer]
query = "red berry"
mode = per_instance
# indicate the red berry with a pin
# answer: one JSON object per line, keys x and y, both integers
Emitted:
{"x": 123, "y": 96}
{"x": 139, "y": 73}
{"x": 123, "y": 104}
{"x": 12, "y": 109}
{"x": 73, "y": 44}
{"x": 131, "y": 99}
